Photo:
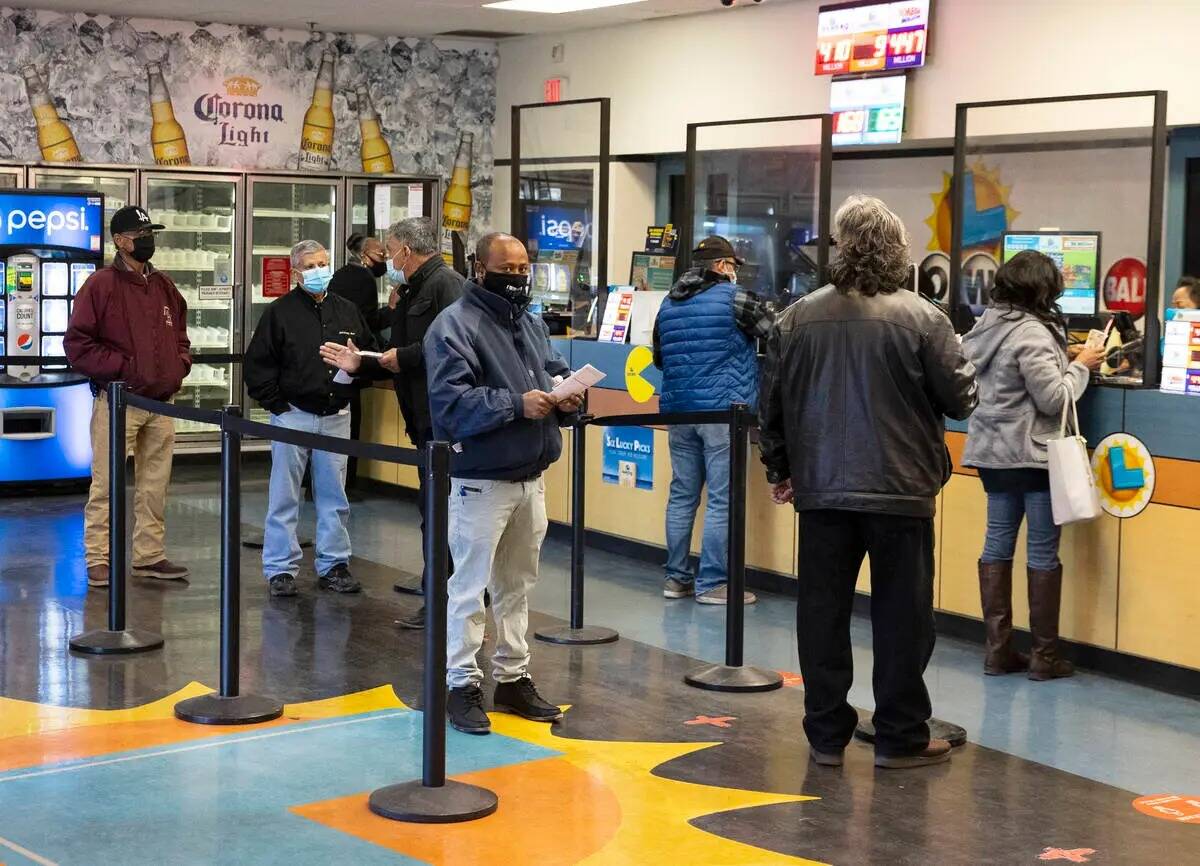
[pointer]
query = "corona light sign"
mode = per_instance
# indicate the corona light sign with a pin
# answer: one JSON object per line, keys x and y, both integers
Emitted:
{"x": 240, "y": 120}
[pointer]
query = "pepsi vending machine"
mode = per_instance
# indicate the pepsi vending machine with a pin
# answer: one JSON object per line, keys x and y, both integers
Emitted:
{"x": 50, "y": 243}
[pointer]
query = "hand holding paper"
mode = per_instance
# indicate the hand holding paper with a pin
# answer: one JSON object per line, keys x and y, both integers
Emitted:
{"x": 577, "y": 383}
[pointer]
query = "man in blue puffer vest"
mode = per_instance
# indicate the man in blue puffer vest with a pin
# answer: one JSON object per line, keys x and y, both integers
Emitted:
{"x": 705, "y": 343}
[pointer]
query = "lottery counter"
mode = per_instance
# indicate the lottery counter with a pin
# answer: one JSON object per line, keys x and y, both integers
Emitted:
{"x": 1131, "y": 585}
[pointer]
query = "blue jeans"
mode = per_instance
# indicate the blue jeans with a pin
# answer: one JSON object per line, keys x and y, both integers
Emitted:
{"x": 281, "y": 550}
{"x": 1004, "y": 514}
{"x": 699, "y": 453}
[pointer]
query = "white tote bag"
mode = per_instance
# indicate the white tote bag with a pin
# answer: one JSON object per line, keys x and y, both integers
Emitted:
{"x": 1073, "y": 494}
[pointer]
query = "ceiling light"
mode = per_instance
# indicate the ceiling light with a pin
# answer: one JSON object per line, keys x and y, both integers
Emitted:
{"x": 555, "y": 7}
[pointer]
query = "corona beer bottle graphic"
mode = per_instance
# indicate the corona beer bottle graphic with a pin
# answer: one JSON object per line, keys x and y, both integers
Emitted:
{"x": 167, "y": 139}
{"x": 376, "y": 154}
{"x": 54, "y": 137}
{"x": 456, "y": 207}
{"x": 316, "y": 139}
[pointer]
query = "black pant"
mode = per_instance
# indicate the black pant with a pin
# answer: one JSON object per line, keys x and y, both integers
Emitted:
{"x": 355, "y": 431}
{"x": 832, "y": 545}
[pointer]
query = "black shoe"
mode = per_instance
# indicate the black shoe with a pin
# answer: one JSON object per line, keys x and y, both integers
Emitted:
{"x": 521, "y": 697}
{"x": 339, "y": 579}
{"x": 416, "y": 621}
{"x": 465, "y": 708}
{"x": 282, "y": 585}
{"x": 487, "y": 598}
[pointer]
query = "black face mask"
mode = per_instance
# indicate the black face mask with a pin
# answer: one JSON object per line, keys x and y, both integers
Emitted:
{"x": 515, "y": 288}
{"x": 143, "y": 249}
{"x": 377, "y": 269}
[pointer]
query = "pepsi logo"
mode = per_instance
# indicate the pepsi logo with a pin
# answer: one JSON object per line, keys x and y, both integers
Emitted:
{"x": 25, "y": 342}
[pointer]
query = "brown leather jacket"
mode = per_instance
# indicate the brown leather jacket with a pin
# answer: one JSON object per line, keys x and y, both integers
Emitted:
{"x": 130, "y": 327}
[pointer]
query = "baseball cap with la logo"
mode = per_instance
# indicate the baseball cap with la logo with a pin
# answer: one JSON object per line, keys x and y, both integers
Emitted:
{"x": 132, "y": 218}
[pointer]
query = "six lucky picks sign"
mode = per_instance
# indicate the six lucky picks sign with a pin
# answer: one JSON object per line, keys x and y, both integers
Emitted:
{"x": 628, "y": 457}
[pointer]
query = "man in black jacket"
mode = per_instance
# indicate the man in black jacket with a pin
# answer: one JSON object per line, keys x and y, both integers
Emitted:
{"x": 427, "y": 285}
{"x": 857, "y": 380}
{"x": 286, "y": 375}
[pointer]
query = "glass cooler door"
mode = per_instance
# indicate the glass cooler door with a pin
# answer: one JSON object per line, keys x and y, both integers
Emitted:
{"x": 284, "y": 211}
{"x": 119, "y": 189}
{"x": 12, "y": 176}
{"x": 199, "y": 250}
{"x": 395, "y": 198}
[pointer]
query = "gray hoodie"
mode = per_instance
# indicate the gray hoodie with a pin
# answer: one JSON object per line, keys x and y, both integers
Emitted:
{"x": 1023, "y": 373}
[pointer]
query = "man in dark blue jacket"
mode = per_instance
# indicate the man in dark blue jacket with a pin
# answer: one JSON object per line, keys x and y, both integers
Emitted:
{"x": 705, "y": 343}
{"x": 490, "y": 369}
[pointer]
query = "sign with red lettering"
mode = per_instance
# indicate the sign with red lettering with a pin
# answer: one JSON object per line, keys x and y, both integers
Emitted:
{"x": 276, "y": 276}
{"x": 1125, "y": 287}
{"x": 553, "y": 89}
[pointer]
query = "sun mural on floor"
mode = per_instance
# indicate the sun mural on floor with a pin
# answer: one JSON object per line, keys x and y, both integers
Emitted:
{"x": 301, "y": 783}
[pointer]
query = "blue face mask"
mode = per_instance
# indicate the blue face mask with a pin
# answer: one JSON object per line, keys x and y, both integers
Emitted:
{"x": 316, "y": 280}
{"x": 396, "y": 277}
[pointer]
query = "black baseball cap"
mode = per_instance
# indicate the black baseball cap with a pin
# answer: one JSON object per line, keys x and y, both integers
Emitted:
{"x": 715, "y": 247}
{"x": 131, "y": 218}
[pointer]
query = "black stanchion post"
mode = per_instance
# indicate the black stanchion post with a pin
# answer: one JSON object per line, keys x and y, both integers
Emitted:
{"x": 228, "y": 706}
{"x": 116, "y": 639}
{"x": 733, "y": 676}
{"x": 434, "y": 799}
{"x": 577, "y": 633}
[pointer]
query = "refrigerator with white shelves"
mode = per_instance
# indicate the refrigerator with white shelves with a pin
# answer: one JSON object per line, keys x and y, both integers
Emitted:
{"x": 200, "y": 249}
{"x": 118, "y": 185}
{"x": 378, "y": 201}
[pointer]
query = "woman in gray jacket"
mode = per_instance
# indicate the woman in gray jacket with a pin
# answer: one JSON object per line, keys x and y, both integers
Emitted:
{"x": 1019, "y": 348}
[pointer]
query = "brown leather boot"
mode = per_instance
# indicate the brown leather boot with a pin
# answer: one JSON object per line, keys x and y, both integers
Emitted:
{"x": 995, "y": 594}
{"x": 1045, "y": 599}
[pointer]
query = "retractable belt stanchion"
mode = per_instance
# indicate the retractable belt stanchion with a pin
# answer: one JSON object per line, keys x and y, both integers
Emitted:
{"x": 577, "y": 633}
{"x": 434, "y": 799}
{"x": 116, "y": 639}
{"x": 228, "y": 706}
{"x": 733, "y": 676}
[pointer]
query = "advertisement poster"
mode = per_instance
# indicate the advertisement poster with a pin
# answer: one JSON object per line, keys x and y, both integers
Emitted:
{"x": 240, "y": 121}
{"x": 662, "y": 240}
{"x": 277, "y": 276}
{"x": 615, "y": 327}
{"x": 628, "y": 459}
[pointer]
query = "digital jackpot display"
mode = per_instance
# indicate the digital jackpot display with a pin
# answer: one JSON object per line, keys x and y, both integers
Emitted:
{"x": 867, "y": 110}
{"x": 871, "y": 36}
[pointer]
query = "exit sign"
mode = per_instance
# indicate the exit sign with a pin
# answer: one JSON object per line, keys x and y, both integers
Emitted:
{"x": 554, "y": 89}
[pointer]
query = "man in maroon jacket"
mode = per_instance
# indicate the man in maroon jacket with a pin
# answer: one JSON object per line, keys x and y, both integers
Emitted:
{"x": 129, "y": 324}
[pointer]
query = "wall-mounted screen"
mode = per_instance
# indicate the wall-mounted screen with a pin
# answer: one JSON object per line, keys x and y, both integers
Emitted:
{"x": 1077, "y": 255}
{"x": 868, "y": 110}
{"x": 871, "y": 36}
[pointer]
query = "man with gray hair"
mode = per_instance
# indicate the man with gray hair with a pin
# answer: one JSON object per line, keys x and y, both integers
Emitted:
{"x": 285, "y": 373}
{"x": 424, "y": 286}
{"x": 858, "y": 378}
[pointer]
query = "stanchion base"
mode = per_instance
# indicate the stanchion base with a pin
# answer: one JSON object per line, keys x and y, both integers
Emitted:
{"x": 102, "y": 642}
{"x": 589, "y": 635}
{"x": 409, "y": 587}
{"x": 956, "y": 735}
{"x": 722, "y": 678}
{"x": 452, "y": 803}
{"x": 212, "y": 709}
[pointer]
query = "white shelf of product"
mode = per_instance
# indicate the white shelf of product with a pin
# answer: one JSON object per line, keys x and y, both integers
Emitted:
{"x": 272, "y": 251}
{"x": 196, "y": 229}
{"x": 279, "y": 213}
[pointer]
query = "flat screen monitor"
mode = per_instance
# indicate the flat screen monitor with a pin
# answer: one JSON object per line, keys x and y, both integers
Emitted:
{"x": 868, "y": 110}
{"x": 1077, "y": 255}
{"x": 870, "y": 36}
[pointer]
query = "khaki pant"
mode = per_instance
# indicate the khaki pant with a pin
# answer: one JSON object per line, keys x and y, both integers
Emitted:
{"x": 496, "y": 534}
{"x": 151, "y": 439}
